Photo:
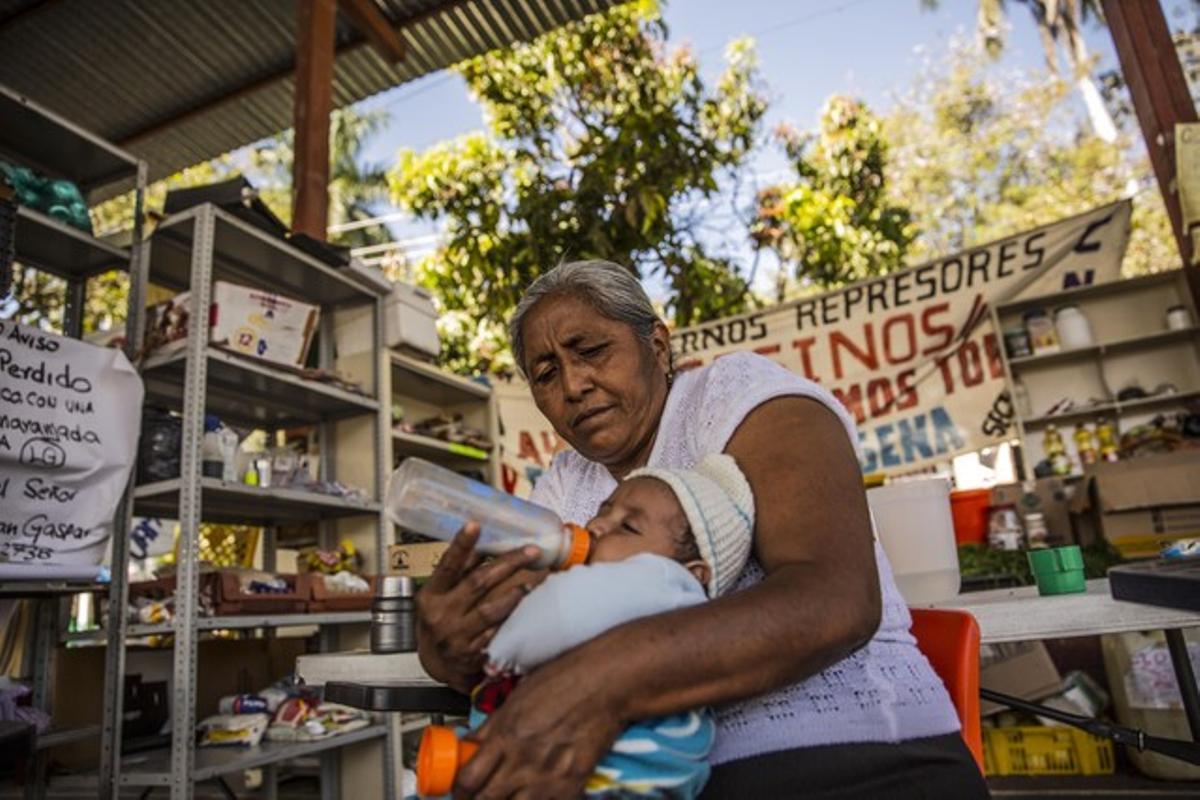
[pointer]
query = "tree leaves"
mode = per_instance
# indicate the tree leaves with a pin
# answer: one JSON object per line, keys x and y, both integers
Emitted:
{"x": 835, "y": 224}
{"x": 598, "y": 137}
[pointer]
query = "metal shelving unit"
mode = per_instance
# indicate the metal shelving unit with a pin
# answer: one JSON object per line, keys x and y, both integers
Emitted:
{"x": 1126, "y": 317}
{"x": 191, "y": 250}
{"x": 230, "y": 623}
{"x": 239, "y": 503}
{"x": 153, "y": 769}
{"x": 422, "y": 387}
{"x": 38, "y": 138}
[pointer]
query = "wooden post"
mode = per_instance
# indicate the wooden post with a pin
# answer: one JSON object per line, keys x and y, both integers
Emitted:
{"x": 1160, "y": 98}
{"x": 314, "y": 98}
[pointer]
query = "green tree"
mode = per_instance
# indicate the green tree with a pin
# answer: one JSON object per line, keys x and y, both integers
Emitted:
{"x": 600, "y": 143}
{"x": 835, "y": 223}
{"x": 978, "y": 155}
{"x": 1059, "y": 25}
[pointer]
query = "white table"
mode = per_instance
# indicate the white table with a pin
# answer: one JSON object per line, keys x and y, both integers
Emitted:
{"x": 1017, "y": 615}
{"x": 1021, "y": 614}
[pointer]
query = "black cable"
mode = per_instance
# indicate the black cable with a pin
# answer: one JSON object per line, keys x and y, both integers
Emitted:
{"x": 1130, "y": 737}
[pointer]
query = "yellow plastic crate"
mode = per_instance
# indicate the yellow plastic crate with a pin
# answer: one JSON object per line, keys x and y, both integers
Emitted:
{"x": 224, "y": 545}
{"x": 1037, "y": 750}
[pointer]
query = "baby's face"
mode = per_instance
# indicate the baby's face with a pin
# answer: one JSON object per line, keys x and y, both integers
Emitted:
{"x": 641, "y": 516}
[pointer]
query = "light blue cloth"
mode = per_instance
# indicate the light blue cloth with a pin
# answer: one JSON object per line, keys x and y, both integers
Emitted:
{"x": 575, "y": 606}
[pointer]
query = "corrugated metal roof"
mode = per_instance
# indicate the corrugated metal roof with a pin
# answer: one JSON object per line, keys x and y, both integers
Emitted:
{"x": 132, "y": 70}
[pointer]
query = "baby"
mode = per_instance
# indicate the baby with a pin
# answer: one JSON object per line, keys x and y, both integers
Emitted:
{"x": 664, "y": 539}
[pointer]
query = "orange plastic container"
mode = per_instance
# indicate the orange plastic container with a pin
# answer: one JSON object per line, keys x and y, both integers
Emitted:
{"x": 970, "y": 510}
{"x": 438, "y": 759}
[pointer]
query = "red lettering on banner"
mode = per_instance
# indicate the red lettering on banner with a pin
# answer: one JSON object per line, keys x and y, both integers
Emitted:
{"x": 908, "y": 336}
{"x": 907, "y": 398}
{"x": 868, "y": 358}
{"x": 804, "y": 345}
{"x": 944, "y": 331}
{"x": 852, "y": 400}
{"x": 767, "y": 350}
{"x": 947, "y": 378}
{"x": 992, "y": 348}
{"x": 508, "y": 478}
{"x": 527, "y": 449}
{"x": 970, "y": 363}
{"x": 879, "y": 396}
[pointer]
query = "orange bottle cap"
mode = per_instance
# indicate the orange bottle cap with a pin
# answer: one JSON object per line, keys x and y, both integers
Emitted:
{"x": 581, "y": 545}
{"x": 438, "y": 759}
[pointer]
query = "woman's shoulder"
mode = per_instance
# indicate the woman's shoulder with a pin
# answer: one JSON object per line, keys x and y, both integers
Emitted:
{"x": 738, "y": 373}
{"x": 716, "y": 398}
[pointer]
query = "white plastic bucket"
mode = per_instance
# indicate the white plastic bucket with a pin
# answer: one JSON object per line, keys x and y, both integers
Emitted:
{"x": 915, "y": 527}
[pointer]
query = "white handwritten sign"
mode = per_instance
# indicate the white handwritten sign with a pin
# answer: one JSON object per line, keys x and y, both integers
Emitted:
{"x": 69, "y": 414}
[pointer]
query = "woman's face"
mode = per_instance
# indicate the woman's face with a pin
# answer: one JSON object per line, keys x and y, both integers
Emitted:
{"x": 602, "y": 388}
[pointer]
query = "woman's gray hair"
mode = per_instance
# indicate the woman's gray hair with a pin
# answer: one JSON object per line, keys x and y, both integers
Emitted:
{"x": 611, "y": 289}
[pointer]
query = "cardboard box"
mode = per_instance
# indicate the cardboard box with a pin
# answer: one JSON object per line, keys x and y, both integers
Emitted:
{"x": 1142, "y": 504}
{"x": 1020, "y": 669}
{"x": 1050, "y": 497}
{"x": 262, "y": 324}
{"x": 415, "y": 560}
{"x": 409, "y": 322}
{"x": 248, "y": 321}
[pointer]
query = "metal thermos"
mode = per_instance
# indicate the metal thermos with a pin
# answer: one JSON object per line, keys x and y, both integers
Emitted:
{"x": 394, "y": 616}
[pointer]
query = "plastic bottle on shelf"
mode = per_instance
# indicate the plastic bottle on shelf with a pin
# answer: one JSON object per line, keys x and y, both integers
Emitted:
{"x": 1108, "y": 440}
{"x": 1085, "y": 445}
{"x": 1056, "y": 451}
{"x": 1036, "y": 533}
{"x": 435, "y": 502}
{"x": 1021, "y": 400}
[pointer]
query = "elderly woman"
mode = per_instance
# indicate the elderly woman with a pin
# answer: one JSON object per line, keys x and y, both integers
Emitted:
{"x": 820, "y": 688}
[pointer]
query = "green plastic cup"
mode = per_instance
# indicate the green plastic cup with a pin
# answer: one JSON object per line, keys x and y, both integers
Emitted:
{"x": 1058, "y": 570}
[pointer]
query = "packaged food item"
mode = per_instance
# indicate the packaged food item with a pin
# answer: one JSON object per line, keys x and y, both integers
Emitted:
{"x": 1004, "y": 528}
{"x": 233, "y": 729}
{"x": 1085, "y": 445}
{"x": 1016, "y": 343}
{"x": 1042, "y": 336}
{"x": 1036, "y": 533}
{"x": 1106, "y": 436}
{"x": 1056, "y": 451}
{"x": 1021, "y": 399}
{"x": 242, "y": 704}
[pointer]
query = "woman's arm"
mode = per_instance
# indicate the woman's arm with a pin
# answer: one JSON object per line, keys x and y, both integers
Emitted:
{"x": 819, "y": 602}
{"x": 461, "y": 606}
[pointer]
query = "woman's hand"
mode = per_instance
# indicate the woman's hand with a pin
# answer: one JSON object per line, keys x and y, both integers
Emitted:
{"x": 547, "y": 738}
{"x": 464, "y": 602}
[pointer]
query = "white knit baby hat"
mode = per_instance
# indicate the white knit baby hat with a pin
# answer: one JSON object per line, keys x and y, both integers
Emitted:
{"x": 719, "y": 506}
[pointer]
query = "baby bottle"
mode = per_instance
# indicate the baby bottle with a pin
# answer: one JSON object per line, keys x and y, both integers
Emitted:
{"x": 438, "y": 760}
{"x": 436, "y": 502}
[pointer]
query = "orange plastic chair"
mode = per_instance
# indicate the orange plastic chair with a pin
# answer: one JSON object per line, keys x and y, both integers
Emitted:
{"x": 950, "y": 640}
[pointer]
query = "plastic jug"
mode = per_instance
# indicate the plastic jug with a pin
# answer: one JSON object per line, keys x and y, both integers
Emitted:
{"x": 435, "y": 502}
{"x": 916, "y": 528}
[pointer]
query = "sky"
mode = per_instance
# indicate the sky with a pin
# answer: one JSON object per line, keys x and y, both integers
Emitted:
{"x": 808, "y": 50}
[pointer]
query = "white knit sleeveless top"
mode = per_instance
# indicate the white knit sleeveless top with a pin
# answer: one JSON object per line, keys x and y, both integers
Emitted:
{"x": 886, "y": 691}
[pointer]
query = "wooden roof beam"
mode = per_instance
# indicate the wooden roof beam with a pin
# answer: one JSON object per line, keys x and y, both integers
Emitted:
{"x": 371, "y": 22}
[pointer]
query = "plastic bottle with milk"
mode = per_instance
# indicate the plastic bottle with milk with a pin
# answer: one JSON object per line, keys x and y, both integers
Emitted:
{"x": 436, "y": 502}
